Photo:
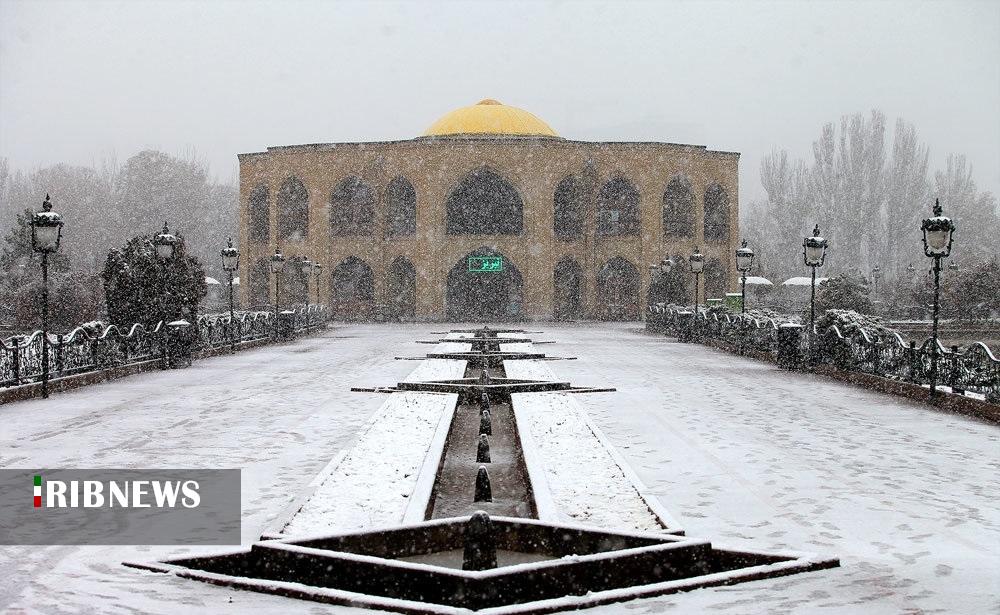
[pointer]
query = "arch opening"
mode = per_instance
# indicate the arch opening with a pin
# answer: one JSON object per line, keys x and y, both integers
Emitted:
{"x": 485, "y": 295}
{"x": 671, "y": 287}
{"x": 293, "y": 210}
{"x": 567, "y": 280}
{"x": 352, "y": 290}
{"x": 618, "y": 290}
{"x": 402, "y": 285}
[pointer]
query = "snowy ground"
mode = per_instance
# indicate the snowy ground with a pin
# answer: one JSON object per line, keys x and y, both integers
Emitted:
{"x": 374, "y": 483}
{"x": 738, "y": 451}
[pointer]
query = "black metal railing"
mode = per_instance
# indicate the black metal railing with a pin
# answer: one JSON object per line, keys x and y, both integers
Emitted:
{"x": 971, "y": 368}
{"x": 95, "y": 347}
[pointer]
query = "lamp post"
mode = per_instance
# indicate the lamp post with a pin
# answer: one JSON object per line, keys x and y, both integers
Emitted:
{"x": 307, "y": 266}
{"x": 876, "y": 274}
{"x": 814, "y": 255}
{"x": 166, "y": 245}
{"x": 697, "y": 262}
{"x": 317, "y": 269}
{"x": 937, "y": 231}
{"x": 46, "y": 234}
{"x": 231, "y": 263}
{"x": 277, "y": 264}
{"x": 744, "y": 262}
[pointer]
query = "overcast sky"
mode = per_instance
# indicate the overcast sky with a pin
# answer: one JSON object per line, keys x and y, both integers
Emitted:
{"x": 80, "y": 80}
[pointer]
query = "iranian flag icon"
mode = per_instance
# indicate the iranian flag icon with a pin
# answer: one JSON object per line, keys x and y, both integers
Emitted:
{"x": 38, "y": 491}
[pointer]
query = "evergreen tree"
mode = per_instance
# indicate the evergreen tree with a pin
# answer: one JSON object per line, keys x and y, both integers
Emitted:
{"x": 140, "y": 287}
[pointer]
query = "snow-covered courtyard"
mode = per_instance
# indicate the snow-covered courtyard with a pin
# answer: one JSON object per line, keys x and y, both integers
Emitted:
{"x": 736, "y": 450}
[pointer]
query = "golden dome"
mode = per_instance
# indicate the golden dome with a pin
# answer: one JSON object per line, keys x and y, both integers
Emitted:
{"x": 489, "y": 117}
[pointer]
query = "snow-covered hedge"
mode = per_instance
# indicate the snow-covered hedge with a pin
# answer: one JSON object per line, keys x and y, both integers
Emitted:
{"x": 849, "y": 321}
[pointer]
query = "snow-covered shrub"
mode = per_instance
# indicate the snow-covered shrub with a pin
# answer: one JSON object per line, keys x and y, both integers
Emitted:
{"x": 850, "y": 322}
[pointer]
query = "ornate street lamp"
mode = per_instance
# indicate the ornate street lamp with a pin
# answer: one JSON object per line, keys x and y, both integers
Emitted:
{"x": 744, "y": 262}
{"x": 165, "y": 243}
{"x": 277, "y": 264}
{"x": 231, "y": 263}
{"x": 697, "y": 262}
{"x": 938, "y": 235}
{"x": 46, "y": 235}
{"x": 166, "y": 246}
{"x": 307, "y": 266}
{"x": 814, "y": 254}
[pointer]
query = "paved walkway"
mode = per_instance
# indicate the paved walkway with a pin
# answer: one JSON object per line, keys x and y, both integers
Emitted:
{"x": 738, "y": 451}
{"x": 748, "y": 455}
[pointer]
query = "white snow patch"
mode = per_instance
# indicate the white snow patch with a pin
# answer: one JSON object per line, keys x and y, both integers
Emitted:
{"x": 528, "y": 369}
{"x": 517, "y": 347}
{"x": 453, "y": 347}
{"x": 802, "y": 281}
{"x": 586, "y": 483}
{"x": 371, "y": 487}
{"x": 437, "y": 369}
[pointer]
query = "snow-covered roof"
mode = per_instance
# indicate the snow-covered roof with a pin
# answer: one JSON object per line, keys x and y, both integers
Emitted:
{"x": 236, "y": 281}
{"x": 758, "y": 281}
{"x": 801, "y": 281}
{"x": 211, "y": 281}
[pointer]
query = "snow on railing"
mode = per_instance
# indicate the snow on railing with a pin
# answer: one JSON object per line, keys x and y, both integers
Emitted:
{"x": 972, "y": 368}
{"x": 95, "y": 346}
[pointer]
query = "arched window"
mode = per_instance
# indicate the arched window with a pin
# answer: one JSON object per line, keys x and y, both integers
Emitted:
{"x": 401, "y": 208}
{"x": 258, "y": 209}
{"x": 567, "y": 222}
{"x": 260, "y": 285}
{"x": 678, "y": 208}
{"x": 567, "y": 281}
{"x": 715, "y": 279}
{"x": 484, "y": 203}
{"x": 618, "y": 290}
{"x": 352, "y": 290}
{"x": 716, "y": 213}
{"x": 293, "y": 210}
{"x": 618, "y": 209}
{"x": 352, "y": 208}
{"x": 402, "y": 285}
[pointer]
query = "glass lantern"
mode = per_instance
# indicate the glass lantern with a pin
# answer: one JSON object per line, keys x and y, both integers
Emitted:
{"x": 814, "y": 249}
{"x": 46, "y": 229}
{"x": 937, "y": 233}
{"x": 230, "y": 257}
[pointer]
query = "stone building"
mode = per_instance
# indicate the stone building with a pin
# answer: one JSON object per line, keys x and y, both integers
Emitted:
{"x": 490, "y": 215}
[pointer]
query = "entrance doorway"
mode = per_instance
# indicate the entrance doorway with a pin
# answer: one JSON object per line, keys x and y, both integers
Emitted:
{"x": 481, "y": 289}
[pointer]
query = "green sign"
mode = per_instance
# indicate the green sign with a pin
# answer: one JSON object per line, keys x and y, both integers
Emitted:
{"x": 484, "y": 264}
